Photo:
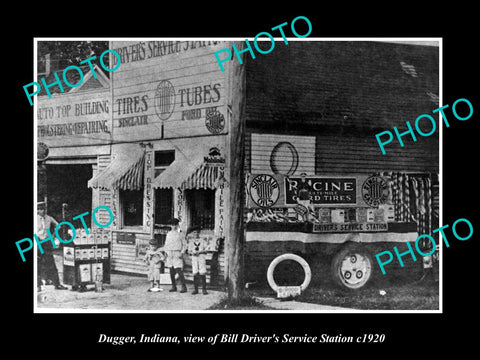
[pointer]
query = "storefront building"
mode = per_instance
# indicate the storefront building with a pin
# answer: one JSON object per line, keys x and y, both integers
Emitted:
{"x": 155, "y": 148}
{"x": 151, "y": 143}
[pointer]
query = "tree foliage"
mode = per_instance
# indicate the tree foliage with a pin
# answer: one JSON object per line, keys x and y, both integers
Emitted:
{"x": 66, "y": 53}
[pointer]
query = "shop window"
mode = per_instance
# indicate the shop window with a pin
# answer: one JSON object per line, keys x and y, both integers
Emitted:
{"x": 132, "y": 207}
{"x": 162, "y": 160}
{"x": 163, "y": 197}
{"x": 201, "y": 208}
{"x": 163, "y": 206}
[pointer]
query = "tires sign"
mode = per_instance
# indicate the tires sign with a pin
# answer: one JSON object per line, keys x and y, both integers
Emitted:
{"x": 359, "y": 191}
{"x": 322, "y": 190}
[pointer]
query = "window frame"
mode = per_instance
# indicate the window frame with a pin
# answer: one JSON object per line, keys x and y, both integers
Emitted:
{"x": 157, "y": 170}
{"x": 121, "y": 203}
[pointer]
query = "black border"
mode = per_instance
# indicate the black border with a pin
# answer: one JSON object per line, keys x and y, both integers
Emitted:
{"x": 405, "y": 333}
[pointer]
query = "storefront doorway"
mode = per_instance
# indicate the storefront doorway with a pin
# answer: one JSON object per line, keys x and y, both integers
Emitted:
{"x": 67, "y": 184}
{"x": 163, "y": 206}
{"x": 201, "y": 208}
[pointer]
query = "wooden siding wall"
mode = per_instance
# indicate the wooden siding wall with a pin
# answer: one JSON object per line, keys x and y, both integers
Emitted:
{"x": 125, "y": 259}
{"x": 124, "y": 256}
{"x": 349, "y": 153}
{"x": 361, "y": 154}
{"x": 269, "y": 151}
{"x": 344, "y": 93}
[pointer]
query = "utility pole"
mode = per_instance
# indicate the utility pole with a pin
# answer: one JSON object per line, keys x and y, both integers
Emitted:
{"x": 234, "y": 249}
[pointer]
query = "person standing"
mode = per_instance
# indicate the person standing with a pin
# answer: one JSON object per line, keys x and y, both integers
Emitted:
{"x": 46, "y": 270}
{"x": 174, "y": 248}
{"x": 304, "y": 194}
{"x": 197, "y": 248}
{"x": 154, "y": 259}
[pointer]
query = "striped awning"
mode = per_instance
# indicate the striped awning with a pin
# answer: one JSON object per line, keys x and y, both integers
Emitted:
{"x": 125, "y": 172}
{"x": 205, "y": 177}
{"x": 189, "y": 173}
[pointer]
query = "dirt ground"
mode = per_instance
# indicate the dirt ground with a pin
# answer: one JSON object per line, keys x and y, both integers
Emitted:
{"x": 126, "y": 293}
{"x": 412, "y": 296}
{"x": 129, "y": 293}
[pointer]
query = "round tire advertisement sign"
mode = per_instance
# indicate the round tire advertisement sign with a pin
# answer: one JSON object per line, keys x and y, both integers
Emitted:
{"x": 42, "y": 151}
{"x": 375, "y": 191}
{"x": 215, "y": 122}
{"x": 164, "y": 99}
{"x": 264, "y": 190}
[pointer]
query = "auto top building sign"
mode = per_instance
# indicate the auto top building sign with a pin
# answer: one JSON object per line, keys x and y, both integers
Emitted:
{"x": 168, "y": 89}
{"x": 74, "y": 119}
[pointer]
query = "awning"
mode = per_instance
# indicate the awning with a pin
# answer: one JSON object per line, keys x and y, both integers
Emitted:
{"x": 190, "y": 173}
{"x": 205, "y": 177}
{"x": 125, "y": 172}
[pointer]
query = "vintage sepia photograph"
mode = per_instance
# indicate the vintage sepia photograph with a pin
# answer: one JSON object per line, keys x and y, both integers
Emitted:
{"x": 221, "y": 175}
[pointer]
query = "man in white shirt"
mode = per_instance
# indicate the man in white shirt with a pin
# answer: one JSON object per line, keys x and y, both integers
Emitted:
{"x": 175, "y": 247}
{"x": 47, "y": 270}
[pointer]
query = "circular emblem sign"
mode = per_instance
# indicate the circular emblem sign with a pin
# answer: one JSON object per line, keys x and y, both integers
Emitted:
{"x": 375, "y": 191}
{"x": 264, "y": 190}
{"x": 284, "y": 159}
{"x": 164, "y": 99}
{"x": 215, "y": 122}
{"x": 42, "y": 151}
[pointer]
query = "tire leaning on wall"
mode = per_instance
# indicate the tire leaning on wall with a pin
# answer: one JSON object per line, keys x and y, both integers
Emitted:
{"x": 352, "y": 267}
{"x": 289, "y": 256}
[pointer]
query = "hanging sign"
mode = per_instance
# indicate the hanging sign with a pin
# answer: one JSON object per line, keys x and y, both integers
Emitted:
{"x": 148, "y": 193}
{"x": 126, "y": 238}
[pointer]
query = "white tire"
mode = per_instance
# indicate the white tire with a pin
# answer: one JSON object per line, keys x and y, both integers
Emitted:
{"x": 298, "y": 259}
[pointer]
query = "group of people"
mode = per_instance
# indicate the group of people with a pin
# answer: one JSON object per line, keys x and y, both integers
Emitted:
{"x": 171, "y": 256}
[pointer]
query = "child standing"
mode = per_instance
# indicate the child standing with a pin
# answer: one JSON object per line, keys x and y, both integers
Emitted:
{"x": 154, "y": 258}
{"x": 197, "y": 248}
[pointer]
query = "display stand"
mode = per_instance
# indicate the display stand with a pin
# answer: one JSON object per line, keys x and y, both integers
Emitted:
{"x": 87, "y": 259}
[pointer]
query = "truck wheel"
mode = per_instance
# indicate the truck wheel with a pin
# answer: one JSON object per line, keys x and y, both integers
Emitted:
{"x": 352, "y": 267}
